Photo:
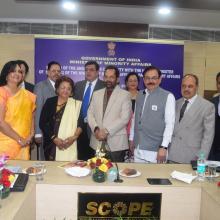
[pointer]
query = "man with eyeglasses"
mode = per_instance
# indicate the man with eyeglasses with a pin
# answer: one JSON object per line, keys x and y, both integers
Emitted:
{"x": 84, "y": 91}
{"x": 153, "y": 122}
{"x": 44, "y": 90}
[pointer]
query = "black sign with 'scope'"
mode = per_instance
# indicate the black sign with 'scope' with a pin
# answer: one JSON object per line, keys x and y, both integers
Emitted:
{"x": 106, "y": 206}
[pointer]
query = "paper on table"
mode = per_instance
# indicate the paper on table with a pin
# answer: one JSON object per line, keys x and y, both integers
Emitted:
{"x": 185, "y": 177}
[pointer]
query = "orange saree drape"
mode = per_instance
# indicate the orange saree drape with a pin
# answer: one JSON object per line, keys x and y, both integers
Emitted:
{"x": 18, "y": 114}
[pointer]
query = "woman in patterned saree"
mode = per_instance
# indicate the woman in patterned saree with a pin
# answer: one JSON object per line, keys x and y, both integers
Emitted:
{"x": 17, "y": 107}
{"x": 60, "y": 123}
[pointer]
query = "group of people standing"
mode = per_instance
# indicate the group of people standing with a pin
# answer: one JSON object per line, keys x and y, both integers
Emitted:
{"x": 75, "y": 121}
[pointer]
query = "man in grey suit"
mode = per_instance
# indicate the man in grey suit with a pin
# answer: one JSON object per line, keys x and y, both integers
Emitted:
{"x": 108, "y": 116}
{"x": 83, "y": 91}
{"x": 194, "y": 124}
{"x": 44, "y": 90}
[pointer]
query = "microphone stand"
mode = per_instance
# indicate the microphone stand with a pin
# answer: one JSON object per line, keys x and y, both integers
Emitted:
{"x": 118, "y": 179}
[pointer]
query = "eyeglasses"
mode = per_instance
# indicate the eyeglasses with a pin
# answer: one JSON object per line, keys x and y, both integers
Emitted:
{"x": 55, "y": 71}
{"x": 154, "y": 78}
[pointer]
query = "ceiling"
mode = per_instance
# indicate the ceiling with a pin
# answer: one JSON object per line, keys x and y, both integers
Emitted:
{"x": 201, "y": 14}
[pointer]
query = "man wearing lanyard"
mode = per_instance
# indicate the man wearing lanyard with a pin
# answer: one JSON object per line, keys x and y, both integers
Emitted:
{"x": 153, "y": 122}
{"x": 215, "y": 150}
{"x": 83, "y": 91}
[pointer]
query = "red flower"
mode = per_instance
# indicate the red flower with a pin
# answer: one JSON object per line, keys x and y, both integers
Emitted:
{"x": 4, "y": 178}
{"x": 6, "y": 172}
{"x": 7, "y": 184}
{"x": 92, "y": 165}
{"x": 98, "y": 162}
{"x": 109, "y": 164}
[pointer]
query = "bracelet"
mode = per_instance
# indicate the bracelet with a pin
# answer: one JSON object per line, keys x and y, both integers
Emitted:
{"x": 53, "y": 137}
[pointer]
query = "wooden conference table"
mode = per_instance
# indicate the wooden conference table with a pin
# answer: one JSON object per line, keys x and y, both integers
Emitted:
{"x": 56, "y": 196}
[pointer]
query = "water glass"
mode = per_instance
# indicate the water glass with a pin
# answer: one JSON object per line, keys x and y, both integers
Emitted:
{"x": 112, "y": 174}
{"x": 212, "y": 171}
{"x": 41, "y": 167}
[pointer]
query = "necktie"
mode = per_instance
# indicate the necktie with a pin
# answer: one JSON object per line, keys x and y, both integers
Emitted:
{"x": 183, "y": 109}
{"x": 85, "y": 103}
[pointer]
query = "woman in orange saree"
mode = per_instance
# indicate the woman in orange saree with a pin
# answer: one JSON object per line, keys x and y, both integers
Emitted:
{"x": 17, "y": 107}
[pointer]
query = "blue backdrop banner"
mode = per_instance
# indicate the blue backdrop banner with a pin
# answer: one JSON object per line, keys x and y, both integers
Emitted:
{"x": 127, "y": 56}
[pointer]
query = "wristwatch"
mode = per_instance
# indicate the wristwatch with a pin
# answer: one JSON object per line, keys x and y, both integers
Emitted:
{"x": 96, "y": 128}
{"x": 163, "y": 147}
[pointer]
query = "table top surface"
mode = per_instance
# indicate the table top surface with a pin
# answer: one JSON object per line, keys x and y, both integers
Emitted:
{"x": 56, "y": 175}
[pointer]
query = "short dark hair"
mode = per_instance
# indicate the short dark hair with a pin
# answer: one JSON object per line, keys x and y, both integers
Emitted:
{"x": 111, "y": 67}
{"x": 129, "y": 75}
{"x": 152, "y": 68}
{"x": 52, "y": 63}
{"x": 217, "y": 76}
{"x": 20, "y": 62}
{"x": 7, "y": 68}
{"x": 92, "y": 62}
{"x": 194, "y": 76}
{"x": 64, "y": 79}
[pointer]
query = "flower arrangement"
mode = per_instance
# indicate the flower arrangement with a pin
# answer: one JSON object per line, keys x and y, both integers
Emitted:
{"x": 6, "y": 177}
{"x": 100, "y": 163}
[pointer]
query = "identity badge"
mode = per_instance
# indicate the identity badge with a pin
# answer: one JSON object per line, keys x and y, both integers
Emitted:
{"x": 154, "y": 107}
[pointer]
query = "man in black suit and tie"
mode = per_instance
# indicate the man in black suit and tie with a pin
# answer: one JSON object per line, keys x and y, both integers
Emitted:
{"x": 215, "y": 150}
{"x": 83, "y": 91}
{"x": 25, "y": 69}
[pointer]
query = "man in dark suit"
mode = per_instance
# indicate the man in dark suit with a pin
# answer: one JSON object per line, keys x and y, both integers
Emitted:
{"x": 215, "y": 150}
{"x": 83, "y": 91}
{"x": 25, "y": 69}
{"x": 44, "y": 90}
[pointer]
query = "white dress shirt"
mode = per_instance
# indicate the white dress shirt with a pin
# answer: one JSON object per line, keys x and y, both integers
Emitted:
{"x": 92, "y": 87}
{"x": 151, "y": 156}
{"x": 52, "y": 83}
{"x": 190, "y": 102}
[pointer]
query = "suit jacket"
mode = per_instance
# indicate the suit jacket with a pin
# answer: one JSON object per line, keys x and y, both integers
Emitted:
{"x": 29, "y": 86}
{"x": 43, "y": 90}
{"x": 46, "y": 122}
{"x": 194, "y": 132}
{"x": 80, "y": 87}
{"x": 78, "y": 95}
{"x": 115, "y": 119}
{"x": 216, "y": 141}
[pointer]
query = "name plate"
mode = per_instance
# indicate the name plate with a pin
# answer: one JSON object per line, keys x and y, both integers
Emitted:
{"x": 106, "y": 206}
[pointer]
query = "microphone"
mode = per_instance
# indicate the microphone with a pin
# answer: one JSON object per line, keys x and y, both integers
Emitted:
{"x": 118, "y": 179}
